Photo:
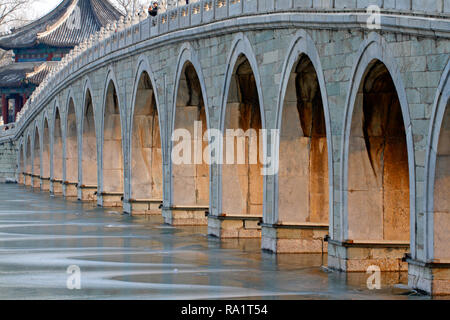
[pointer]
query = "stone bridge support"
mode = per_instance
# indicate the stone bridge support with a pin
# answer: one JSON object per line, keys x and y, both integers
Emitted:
{"x": 313, "y": 138}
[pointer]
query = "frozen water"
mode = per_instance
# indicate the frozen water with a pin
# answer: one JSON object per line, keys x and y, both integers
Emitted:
{"x": 123, "y": 257}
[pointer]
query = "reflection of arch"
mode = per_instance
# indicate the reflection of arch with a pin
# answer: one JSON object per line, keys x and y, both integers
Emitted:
{"x": 437, "y": 175}
{"x": 71, "y": 151}
{"x": 190, "y": 182}
{"x": 376, "y": 70}
{"x": 145, "y": 138}
{"x": 242, "y": 99}
{"x": 88, "y": 141}
{"x": 111, "y": 146}
{"x": 57, "y": 146}
{"x": 303, "y": 58}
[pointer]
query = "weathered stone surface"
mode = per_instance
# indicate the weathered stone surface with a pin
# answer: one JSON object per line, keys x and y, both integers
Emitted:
{"x": 378, "y": 158}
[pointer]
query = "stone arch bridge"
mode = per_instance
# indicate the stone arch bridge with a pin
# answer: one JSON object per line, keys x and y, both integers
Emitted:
{"x": 363, "y": 127}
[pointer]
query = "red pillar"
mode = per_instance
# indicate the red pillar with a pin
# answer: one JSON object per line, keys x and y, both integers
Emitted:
{"x": 4, "y": 109}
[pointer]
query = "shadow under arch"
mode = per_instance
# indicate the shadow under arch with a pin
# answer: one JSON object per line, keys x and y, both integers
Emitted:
{"x": 21, "y": 164}
{"x": 28, "y": 161}
{"x": 57, "y": 150}
{"x": 88, "y": 173}
{"x": 112, "y": 152}
{"x": 71, "y": 151}
{"x": 303, "y": 185}
{"x": 241, "y": 184}
{"x": 145, "y": 190}
{"x": 36, "y": 158}
{"x": 377, "y": 166}
{"x": 190, "y": 171}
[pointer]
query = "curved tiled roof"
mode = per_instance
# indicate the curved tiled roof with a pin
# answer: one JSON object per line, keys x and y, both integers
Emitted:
{"x": 13, "y": 75}
{"x": 68, "y": 24}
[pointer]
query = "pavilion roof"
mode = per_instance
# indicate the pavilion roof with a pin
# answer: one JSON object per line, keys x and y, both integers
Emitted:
{"x": 71, "y": 22}
{"x": 15, "y": 74}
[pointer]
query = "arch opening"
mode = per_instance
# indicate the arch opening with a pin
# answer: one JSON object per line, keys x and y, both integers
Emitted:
{"x": 441, "y": 199}
{"x": 71, "y": 145}
{"x": 46, "y": 151}
{"x": 36, "y": 155}
{"x": 190, "y": 178}
{"x": 28, "y": 162}
{"x": 57, "y": 148}
{"x": 89, "y": 152}
{"x": 146, "y": 162}
{"x": 303, "y": 172}
{"x": 22, "y": 165}
{"x": 112, "y": 144}
{"x": 378, "y": 175}
{"x": 242, "y": 181}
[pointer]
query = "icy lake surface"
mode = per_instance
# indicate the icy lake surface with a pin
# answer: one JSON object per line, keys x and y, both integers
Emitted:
{"x": 123, "y": 257}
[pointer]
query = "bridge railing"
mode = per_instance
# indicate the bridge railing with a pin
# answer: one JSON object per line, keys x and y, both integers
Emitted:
{"x": 140, "y": 27}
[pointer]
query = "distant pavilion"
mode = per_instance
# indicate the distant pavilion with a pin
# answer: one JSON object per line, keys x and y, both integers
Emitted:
{"x": 39, "y": 46}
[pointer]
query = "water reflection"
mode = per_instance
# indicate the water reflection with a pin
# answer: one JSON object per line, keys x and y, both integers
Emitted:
{"x": 124, "y": 257}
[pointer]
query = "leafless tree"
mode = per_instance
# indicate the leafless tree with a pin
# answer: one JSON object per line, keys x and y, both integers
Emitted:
{"x": 12, "y": 14}
{"x": 128, "y": 6}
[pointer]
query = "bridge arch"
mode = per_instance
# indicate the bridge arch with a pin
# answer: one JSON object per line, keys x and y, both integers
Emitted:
{"x": 302, "y": 70}
{"x": 88, "y": 145}
{"x": 390, "y": 173}
{"x": 437, "y": 175}
{"x": 28, "y": 157}
{"x": 36, "y": 154}
{"x": 45, "y": 163}
{"x": 71, "y": 141}
{"x": 190, "y": 183}
{"x": 145, "y": 139}
{"x": 57, "y": 148}
{"x": 21, "y": 162}
{"x": 244, "y": 103}
{"x": 111, "y": 155}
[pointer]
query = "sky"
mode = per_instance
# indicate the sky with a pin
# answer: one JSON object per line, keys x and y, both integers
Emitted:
{"x": 41, "y": 7}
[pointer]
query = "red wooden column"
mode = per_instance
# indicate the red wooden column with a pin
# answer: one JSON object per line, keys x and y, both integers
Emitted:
{"x": 4, "y": 109}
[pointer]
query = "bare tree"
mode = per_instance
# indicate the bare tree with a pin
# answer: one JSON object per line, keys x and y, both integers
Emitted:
{"x": 12, "y": 14}
{"x": 128, "y": 6}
